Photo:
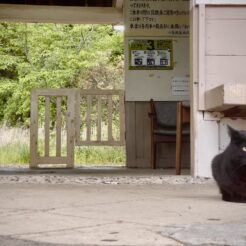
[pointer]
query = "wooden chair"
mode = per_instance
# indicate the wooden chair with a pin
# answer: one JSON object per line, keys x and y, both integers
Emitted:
{"x": 169, "y": 124}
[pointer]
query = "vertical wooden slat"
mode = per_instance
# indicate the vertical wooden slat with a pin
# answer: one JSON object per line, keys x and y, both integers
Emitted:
{"x": 99, "y": 117}
{"x": 77, "y": 116}
{"x": 122, "y": 117}
{"x": 109, "y": 97}
{"x": 201, "y": 56}
{"x": 70, "y": 128}
{"x": 88, "y": 118}
{"x": 47, "y": 126}
{"x": 131, "y": 159}
{"x": 179, "y": 138}
{"x": 58, "y": 126}
{"x": 140, "y": 131}
{"x": 34, "y": 130}
{"x": 110, "y": 108}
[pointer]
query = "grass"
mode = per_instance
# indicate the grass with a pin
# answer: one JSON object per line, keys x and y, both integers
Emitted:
{"x": 15, "y": 153}
{"x": 14, "y": 150}
{"x": 100, "y": 155}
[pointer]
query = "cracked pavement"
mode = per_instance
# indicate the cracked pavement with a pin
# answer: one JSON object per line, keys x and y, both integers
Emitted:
{"x": 158, "y": 214}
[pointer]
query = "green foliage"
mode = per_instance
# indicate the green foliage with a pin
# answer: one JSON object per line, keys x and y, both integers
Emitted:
{"x": 54, "y": 56}
{"x": 100, "y": 155}
{"x": 17, "y": 153}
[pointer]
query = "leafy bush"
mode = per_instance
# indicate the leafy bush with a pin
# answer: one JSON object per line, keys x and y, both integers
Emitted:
{"x": 54, "y": 56}
{"x": 100, "y": 155}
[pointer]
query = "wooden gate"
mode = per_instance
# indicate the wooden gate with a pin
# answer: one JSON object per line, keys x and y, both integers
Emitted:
{"x": 73, "y": 116}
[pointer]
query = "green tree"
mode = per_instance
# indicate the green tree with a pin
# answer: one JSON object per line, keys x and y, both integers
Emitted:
{"x": 54, "y": 56}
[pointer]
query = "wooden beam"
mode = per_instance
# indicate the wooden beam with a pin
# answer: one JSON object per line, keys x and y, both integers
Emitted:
{"x": 60, "y": 14}
{"x": 118, "y": 4}
{"x": 221, "y": 2}
{"x": 225, "y": 96}
{"x": 201, "y": 55}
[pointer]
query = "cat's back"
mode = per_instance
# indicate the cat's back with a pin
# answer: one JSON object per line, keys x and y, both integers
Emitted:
{"x": 217, "y": 163}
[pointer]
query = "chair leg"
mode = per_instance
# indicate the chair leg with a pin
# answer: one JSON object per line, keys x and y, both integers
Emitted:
{"x": 178, "y": 154}
{"x": 153, "y": 155}
{"x": 154, "y": 159}
{"x": 179, "y": 138}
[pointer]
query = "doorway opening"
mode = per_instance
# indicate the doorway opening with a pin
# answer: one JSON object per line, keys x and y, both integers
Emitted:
{"x": 57, "y": 56}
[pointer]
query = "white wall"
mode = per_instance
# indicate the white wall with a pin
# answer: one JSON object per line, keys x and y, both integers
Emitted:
{"x": 141, "y": 85}
{"x": 222, "y": 40}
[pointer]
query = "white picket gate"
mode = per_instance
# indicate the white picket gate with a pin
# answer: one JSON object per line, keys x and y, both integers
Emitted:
{"x": 73, "y": 117}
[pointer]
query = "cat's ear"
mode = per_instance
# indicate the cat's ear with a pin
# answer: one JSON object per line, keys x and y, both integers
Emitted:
{"x": 234, "y": 134}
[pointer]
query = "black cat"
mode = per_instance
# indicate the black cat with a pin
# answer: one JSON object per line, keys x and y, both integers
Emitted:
{"x": 229, "y": 168}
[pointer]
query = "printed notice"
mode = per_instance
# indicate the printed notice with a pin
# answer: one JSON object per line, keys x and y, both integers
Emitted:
{"x": 150, "y": 54}
{"x": 180, "y": 86}
{"x": 157, "y": 18}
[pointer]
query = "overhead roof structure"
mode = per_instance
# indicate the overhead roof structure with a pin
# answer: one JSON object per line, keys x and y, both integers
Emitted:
{"x": 84, "y": 3}
{"x": 62, "y": 11}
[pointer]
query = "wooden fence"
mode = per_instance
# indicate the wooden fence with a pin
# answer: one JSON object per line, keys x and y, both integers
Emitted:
{"x": 81, "y": 117}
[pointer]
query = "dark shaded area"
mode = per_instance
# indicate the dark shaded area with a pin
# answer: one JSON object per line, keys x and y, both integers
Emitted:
{"x": 89, "y": 3}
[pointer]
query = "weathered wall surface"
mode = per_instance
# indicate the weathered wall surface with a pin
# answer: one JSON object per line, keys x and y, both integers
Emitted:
{"x": 218, "y": 57}
{"x": 154, "y": 20}
{"x": 138, "y": 140}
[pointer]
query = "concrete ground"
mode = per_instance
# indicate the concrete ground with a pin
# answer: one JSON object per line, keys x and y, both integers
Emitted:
{"x": 115, "y": 207}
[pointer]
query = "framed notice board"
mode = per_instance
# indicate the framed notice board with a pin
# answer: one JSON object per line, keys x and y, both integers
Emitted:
{"x": 147, "y": 54}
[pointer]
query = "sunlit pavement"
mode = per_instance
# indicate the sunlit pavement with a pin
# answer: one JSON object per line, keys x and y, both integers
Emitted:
{"x": 117, "y": 213}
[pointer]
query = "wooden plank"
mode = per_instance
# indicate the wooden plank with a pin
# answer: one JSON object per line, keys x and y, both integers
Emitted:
{"x": 214, "y": 98}
{"x": 201, "y": 56}
{"x": 194, "y": 85}
{"x": 221, "y": 2}
{"x": 146, "y": 129}
{"x": 235, "y": 94}
{"x": 225, "y": 12}
{"x": 122, "y": 117}
{"x": 70, "y": 128}
{"x": 143, "y": 130}
{"x": 110, "y": 109}
{"x": 52, "y": 160}
{"x": 179, "y": 138}
{"x": 130, "y": 109}
{"x": 88, "y": 118}
{"x": 58, "y": 126}
{"x": 226, "y": 37}
{"x": 53, "y": 92}
{"x": 60, "y": 14}
{"x": 77, "y": 116}
{"x": 34, "y": 130}
{"x": 225, "y": 69}
{"x": 99, "y": 143}
{"x": 99, "y": 117}
{"x": 47, "y": 127}
{"x": 118, "y": 4}
{"x": 100, "y": 92}
{"x": 140, "y": 130}
{"x": 225, "y": 97}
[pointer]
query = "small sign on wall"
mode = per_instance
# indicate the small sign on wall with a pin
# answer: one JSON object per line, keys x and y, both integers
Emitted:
{"x": 180, "y": 86}
{"x": 157, "y": 18}
{"x": 150, "y": 54}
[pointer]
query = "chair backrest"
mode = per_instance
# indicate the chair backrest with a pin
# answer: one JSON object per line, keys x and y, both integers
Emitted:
{"x": 166, "y": 113}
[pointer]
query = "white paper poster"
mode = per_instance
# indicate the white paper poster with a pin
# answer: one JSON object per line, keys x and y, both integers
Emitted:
{"x": 180, "y": 86}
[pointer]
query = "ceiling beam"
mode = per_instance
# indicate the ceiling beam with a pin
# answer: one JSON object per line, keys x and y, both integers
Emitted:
{"x": 118, "y": 4}
{"x": 60, "y": 14}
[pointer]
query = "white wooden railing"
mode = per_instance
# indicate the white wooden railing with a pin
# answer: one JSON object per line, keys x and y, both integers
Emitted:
{"x": 111, "y": 102}
{"x": 101, "y": 123}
